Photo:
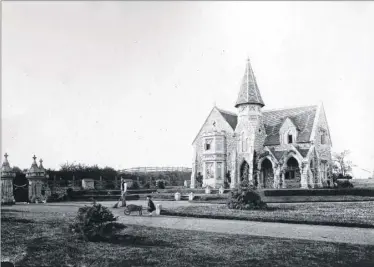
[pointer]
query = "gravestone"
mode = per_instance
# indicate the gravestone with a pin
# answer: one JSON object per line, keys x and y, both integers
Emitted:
{"x": 191, "y": 196}
{"x": 88, "y": 183}
{"x": 158, "y": 209}
{"x": 221, "y": 190}
{"x": 207, "y": 189}
{"x": 177, "y": 196}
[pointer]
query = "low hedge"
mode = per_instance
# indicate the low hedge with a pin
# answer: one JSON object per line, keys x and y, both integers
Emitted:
{"x": 189, "y": 190}
{"x": 320, "y": 192}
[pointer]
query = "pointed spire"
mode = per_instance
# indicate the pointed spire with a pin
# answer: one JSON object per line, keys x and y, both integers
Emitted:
{"x": 249, "y": 92}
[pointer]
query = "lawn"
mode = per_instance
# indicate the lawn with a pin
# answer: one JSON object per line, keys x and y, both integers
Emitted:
{"x": 42, "y": 239}
{"x": 358, "y": 214}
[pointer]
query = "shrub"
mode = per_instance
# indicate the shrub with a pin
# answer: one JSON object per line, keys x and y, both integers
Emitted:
{"x": 146, "y": 185}
{"x": 95, "y": 223}
{"x": 160, "y": 184}
{"x": 69, "y": 193}
{"x": 226, "y": 185}
{"x": 344, "y": 184}
{"x": 245, "y": 199}
{"x": 135, "y": 185}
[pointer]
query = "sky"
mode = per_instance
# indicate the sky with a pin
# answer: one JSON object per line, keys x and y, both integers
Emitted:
{"x": 126, "y": 84}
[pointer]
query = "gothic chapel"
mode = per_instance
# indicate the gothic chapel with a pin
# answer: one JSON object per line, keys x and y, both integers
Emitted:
{"x": 278, "y": 148}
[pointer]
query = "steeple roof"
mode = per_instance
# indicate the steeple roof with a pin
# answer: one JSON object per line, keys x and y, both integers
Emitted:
{"x": 249, "y": 92}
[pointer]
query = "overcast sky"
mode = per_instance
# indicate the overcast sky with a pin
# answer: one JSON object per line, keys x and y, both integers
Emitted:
{"x": 128, "y": 84}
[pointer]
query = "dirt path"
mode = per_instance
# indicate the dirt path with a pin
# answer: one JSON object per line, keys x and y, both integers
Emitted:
{"x": 280, "y": 230}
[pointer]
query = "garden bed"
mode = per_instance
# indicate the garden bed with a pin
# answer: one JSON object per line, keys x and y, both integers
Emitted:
{"x": 358, "y": 214}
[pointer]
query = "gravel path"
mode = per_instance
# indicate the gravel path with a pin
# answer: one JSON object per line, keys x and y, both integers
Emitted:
{"x": 280, "y": 230}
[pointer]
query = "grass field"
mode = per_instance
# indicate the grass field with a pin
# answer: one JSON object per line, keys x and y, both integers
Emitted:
{"x": 42, "y": 239}
{"x": 358, "y": 214}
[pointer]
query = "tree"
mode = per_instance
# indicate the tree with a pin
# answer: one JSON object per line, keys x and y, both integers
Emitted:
{"x": 341, "y": 166}
{"x": 199, "y": 179}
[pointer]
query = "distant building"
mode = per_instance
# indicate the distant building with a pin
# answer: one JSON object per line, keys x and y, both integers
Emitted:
{"x": 279, "y": 148}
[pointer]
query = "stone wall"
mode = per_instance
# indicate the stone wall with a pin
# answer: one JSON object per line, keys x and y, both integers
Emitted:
{"x": 323, "y": 150}
{"x": 220, "y": 124}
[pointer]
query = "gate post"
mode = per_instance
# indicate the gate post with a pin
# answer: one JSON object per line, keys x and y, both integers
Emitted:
{"x": 7, "y": 176}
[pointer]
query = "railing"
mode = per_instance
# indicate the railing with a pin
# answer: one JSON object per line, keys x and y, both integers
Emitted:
{"x": 156, "y": 169}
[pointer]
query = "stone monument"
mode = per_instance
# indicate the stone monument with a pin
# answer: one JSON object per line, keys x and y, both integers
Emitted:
{"x": 37, "y": 177}
{"x": 88, "y": 183}
{"x": 7, "y": 176}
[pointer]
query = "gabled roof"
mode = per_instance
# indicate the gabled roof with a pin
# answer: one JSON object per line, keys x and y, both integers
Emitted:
{"x": 249, "y": 92}
{"x": 230, "y": 117}
{"x": 302, "y": 117}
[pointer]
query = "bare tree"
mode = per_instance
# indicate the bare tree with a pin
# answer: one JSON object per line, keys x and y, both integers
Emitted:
{"x": 342, "y": 166}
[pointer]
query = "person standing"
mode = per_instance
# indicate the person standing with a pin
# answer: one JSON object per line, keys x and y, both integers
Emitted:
{"x": 124, "y": 190}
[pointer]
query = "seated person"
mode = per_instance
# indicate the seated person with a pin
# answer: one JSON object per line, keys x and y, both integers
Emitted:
{"x": 151, "y": 206}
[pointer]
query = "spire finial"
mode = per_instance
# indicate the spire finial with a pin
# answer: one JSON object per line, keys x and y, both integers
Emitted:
{"x": 34, "y": 157}
{"x": 41, "y": 161}
{"x": 6, "y": 156}
{"x": 249, "y": 92}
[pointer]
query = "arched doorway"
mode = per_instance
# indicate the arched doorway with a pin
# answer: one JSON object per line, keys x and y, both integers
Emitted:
{"x": 244, "y": 171}
{"x": 292, "y": 174}
{"x": 267, "y": 173}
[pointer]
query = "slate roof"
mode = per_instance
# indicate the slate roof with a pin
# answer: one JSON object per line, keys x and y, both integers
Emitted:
{"x": 249, "y": 92}
{"x": 302, "y": 117}
{"x": 230, "y": 117}
{"x": 303, "y": 151}
{"x": 277, "y": 154}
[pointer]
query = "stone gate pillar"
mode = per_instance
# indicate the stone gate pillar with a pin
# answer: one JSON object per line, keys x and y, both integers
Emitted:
{"x": 304, "y": 174}
{"x": 7, "y": 176}
{"x": 37, "y": 178}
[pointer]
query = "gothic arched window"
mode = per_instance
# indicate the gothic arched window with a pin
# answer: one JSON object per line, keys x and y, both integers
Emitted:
{"x": 323, "y": 137}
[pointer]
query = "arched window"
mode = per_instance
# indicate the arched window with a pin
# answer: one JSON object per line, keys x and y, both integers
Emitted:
{"x": 323, "y": 137}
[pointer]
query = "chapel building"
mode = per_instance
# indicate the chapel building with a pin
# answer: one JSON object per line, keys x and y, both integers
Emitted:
{"x": 278, "y": 148}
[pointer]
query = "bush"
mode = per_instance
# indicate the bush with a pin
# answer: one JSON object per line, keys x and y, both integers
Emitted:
{"x": 344, "y": 184}
{"x": 95, "y": 223}
{"x": 245, "y": 199}
{"x": 147, "y": 185}
{"x": 226, "y": 185}
{"x": 135, "y": 185}
{"x": 69, "y": 193}
{"x": 160, "y": 184}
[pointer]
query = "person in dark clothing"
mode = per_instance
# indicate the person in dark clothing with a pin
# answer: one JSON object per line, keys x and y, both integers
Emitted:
{"x": 151, "y": 206}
